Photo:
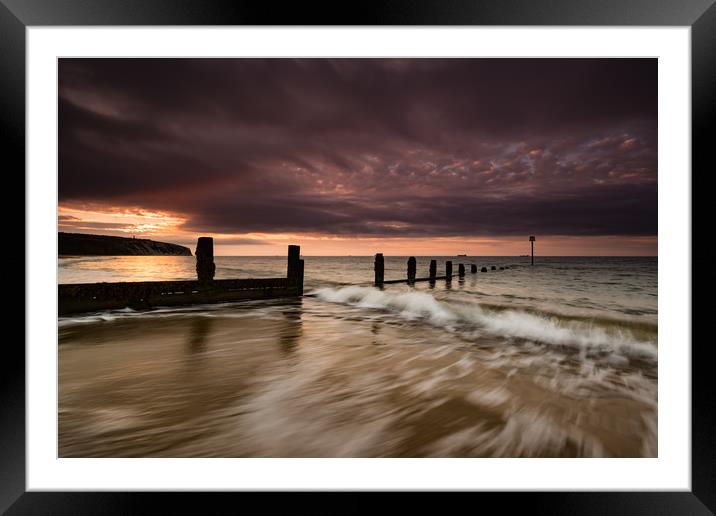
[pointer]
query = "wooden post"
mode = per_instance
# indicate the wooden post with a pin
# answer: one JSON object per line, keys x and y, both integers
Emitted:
{"x": 294, "y": 256}
{"x": 532, "y": 243}
{"x": 379, "y": 267}
{"x": 448, "y": 270}
{"x": 294, "y": 273}
{"x": 461, "y": 270}
{"x": 484, "y": 269}
{"x": 411, "y": 269}
{"x": 433, "y": 269}
{"x": 205, "y": 268}
{"x": 493, "y": 268}
{"x": 473, "y": 268}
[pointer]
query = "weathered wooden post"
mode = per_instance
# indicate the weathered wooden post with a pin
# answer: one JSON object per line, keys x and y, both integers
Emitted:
{"x": 532, "y": 243}
{"x": 484, "y": 269}
{"x": 473, "y": 268}
{"x": 205, "y": 268}
{"x": 448, "y": 270}
{"x": 294, "y": 255}
{"x": 294, "y": 273}
{"x": 433, "y": 269}
{"x": 493, "y": 268}
{"x": 411, "y": 269}
{"x": 461, "y": 270}
{"x": 379, "y": 267}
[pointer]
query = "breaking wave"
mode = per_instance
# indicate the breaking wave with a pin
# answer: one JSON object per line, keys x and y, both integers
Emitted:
{"x": 550, "y": 329}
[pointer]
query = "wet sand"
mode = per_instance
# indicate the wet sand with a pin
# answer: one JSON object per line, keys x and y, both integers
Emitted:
{"x": 287, "y": 379}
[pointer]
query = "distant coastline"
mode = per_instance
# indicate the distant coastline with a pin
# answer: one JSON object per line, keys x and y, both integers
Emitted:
{"x": 80, "y": 244}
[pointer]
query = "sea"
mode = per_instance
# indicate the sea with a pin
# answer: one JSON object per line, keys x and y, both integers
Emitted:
{"x": 558, "y": 359}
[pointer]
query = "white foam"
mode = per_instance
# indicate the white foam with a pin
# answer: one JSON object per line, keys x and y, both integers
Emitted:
{"x": 411, "y": 305}
{"x": 506, "y": 323}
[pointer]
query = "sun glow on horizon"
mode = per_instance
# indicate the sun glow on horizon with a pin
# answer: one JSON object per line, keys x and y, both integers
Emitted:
{"x": 168, "y": 227}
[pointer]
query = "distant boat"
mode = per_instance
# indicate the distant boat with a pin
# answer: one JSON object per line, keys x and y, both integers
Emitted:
{"x": 524, "y": 256}
{"x": 462, "y": 255}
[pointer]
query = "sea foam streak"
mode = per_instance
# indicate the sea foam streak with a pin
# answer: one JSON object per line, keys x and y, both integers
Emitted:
{"x": 506, "y": 323}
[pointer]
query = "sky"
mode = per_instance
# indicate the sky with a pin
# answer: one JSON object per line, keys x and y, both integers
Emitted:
{"x": 358, "y": 156}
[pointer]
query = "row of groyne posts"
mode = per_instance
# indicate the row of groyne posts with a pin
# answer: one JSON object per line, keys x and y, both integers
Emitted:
{"x": 89, "y": 297}
{"x": 379, "y": 267}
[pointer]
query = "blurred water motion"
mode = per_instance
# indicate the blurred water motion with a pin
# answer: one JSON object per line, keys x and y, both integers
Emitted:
{"x": 555, "y": 361}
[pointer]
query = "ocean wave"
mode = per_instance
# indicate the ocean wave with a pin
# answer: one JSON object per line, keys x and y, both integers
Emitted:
{"x": 511, "y": 323}
{"x": 596, "y": 314}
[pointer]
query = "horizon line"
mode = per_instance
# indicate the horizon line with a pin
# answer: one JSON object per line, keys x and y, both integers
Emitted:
{"x": 436, "y": 255}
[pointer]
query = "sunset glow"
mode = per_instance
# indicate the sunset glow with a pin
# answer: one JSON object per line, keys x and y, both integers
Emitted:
{"x": 513, "y": 310}
{"x": 167, "y": 227}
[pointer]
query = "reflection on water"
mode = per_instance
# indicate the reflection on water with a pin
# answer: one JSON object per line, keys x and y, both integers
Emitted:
{"x": 198, "y": 334}
{"x": 292, "y": 330}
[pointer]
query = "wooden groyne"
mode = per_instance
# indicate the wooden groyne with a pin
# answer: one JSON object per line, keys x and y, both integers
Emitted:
{"x": 89, "y": 297}
{"x": 379, "y": 269}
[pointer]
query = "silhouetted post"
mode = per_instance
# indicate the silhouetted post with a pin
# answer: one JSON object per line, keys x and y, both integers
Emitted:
{"x": 411, "y": 269}
{"x": 205, "y": 268}
{"x": 294, "y": 273}
{"x": 448, "y": 270}
{"x": 493, "y": 268}
{"x": 294, "y": 255}
{"x": 532, "y": 243}
{"x": 379, "y": 268}
{"x": 433, "y": 269}
{"x": 484, "y": 269}
{"x": 473, "y": 268}
{"x": 461, "y": 270}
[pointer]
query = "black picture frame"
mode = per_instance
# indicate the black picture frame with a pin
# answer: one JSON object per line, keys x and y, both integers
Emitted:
{"x": 17, "y": 15}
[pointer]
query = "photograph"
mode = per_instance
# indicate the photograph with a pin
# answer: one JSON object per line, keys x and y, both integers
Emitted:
{"x": 421, "y": 257}
{"x": 415, "y": 248}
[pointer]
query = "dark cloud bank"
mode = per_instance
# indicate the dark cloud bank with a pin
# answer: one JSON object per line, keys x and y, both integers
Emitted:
{"x": 366, "y": 147}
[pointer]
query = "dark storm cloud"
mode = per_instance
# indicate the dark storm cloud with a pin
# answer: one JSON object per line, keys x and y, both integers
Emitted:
{"x": 366, "y": 147}
{"x": 596, "y": 211}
